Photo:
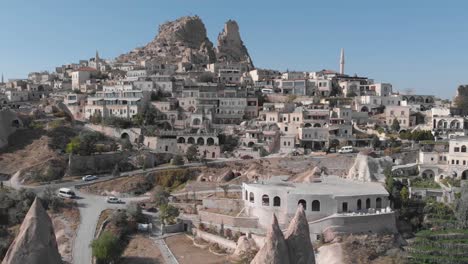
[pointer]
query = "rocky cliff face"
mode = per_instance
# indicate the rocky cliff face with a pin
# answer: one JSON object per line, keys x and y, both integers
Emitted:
{"x": 35, "y": 243}
{"x": 231, "y": 48}
{"x": 182, "y": 40}
{"x": 369, "y": 169}
{"x": 298, "y": 239}
{"x": 275, "y": 249}
{"x": 185, "y": 40}
{"x": 295, "y": 248}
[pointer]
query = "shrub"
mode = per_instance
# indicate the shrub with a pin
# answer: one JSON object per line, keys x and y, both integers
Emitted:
{"x": 106, "y": 248}
{"x": 168, "y": 213}
{"x": 177, "y": 160}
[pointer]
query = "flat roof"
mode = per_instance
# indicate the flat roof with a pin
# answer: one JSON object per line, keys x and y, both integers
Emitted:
{"x": 333, "y": 185}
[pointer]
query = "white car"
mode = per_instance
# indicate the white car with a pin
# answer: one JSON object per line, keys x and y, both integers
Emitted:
{"x": 89, "y": 178}
{"x": 346, "y": 149}
{"x": 113, "y": 199}
{"x": 66, "y": 193}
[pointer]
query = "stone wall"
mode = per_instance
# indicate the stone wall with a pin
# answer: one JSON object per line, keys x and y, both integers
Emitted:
{"x": 223, "y": 203}
{"x": 9, "y": 122}
{"x": 223, "y": 242}
{"x": 115, "y": 132}
{"x": 95, "y": 164}
{"x": 348, "y": 224}
{"x": 227, "y": 220}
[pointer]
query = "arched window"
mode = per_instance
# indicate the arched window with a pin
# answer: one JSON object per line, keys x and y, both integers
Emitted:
{"x": 303, "y": 203}
{"x": 367, "y": 203}
{"x": 246, "y": 195}
{"x": 251, "y": 197}
{"x": 191, "y": 140}
{"x": 200, "y": 141}
{"x": 463, "y": 148}
{"x": 378, "y": 203}
{"x": 276, "y": 201}
{"x": 265, "y": 200}
{"x": 359, "y": 204}
{"x": 315, "y": 205}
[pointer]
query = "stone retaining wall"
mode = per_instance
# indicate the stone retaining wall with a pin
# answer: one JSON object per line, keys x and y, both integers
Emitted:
{"x": 227, "y": 220}
{"x": 221, "y": 241}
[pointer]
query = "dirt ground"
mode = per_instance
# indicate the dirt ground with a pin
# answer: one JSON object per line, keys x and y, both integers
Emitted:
{"x": 65, "y": 225}
{"x": 115, "y": 186}
{"x": 186, "y": 253}
{"x": 26, "y": 148}
{"x": 141, "y": 250}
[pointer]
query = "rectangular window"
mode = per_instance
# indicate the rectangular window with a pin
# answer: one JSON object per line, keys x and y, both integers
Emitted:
{"x": 456, "y": 149}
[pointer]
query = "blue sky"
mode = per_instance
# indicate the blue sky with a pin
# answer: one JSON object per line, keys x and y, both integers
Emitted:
{"x": 412, "y": 44}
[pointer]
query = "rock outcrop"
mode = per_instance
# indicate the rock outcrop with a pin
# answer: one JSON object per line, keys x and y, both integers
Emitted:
{"x": 369, "y": 169}
{"x": 298, "y": 239}
{"x": 245, "y": 246}
{"x": 275, "y": 249}
{"x": 309, "y": 176}
{"x": 231, "y": 48}
{"x": 9, "y": 122}
{"x": 295, "y": 248}
{"x": 182, "y": 40}
{"x": 35, "y": 243}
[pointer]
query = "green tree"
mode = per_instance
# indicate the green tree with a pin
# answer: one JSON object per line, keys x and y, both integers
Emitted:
{"x": 168, "y": 213}
{"x": 461, "y": 207}
{"x": 375, "y": 142}
{"x": 96, "y": 118}
{"x": 73, "y": 146}
{"x": 192, "y": 153}
{"x": 106, "y": 248}
{"x": 161, "y": 197}
{"x": 177, "y": 160}
{"x": 404, "y": 194}
{"x": 395, "y": 125}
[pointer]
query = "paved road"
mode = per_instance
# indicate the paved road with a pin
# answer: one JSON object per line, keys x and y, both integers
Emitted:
{"x": 91, "y": 207}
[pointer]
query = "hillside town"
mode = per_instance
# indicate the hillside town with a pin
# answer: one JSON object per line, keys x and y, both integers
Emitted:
{"x": 182, "y": 151}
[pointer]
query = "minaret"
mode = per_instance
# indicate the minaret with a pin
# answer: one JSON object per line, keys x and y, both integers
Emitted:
{"x": 3, "y": 81}
{"x": 96, "y": 60}
{"x": 342, "y": 61}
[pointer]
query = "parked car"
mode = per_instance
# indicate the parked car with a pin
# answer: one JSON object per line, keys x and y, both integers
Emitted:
{"x": 346, "y": 149}
{"x": 113, "y": 199}
{"x": 66, "y": 193}
{"x": 89, "y": 178}
{"x": 246, "y": 157}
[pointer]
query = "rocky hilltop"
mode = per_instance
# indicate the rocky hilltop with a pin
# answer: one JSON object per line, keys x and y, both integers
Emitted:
{"x": 182, "y": 40}
{"x": 231, "y": 48}
{"x": 185, "y": 40}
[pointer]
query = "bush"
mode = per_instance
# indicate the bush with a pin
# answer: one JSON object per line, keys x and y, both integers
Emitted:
{"x": 168, "y": 213}
{"x": 106, "y": 248}
{"x": 192, "y": 153}
{"x": 177, "y": 160}
{"x": 118, "y": 122}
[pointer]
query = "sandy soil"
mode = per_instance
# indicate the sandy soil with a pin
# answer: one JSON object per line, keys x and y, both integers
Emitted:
{"x": 186, "y": 253}
{"x": 141, "y": 250}
{"x": 27, "y": 148}
{"x": 65, "y": 224}
{"x": 330, "y": 254}
{"x": 115, "y": 186}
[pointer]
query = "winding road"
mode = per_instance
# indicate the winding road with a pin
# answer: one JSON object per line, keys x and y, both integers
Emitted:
{"x": 90, "y": 207}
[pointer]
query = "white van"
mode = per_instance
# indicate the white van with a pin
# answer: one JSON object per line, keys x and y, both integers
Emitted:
{"x": 66, "y": 193}
{"x": 346, "y": 149}
{"x": 267, "y": 91}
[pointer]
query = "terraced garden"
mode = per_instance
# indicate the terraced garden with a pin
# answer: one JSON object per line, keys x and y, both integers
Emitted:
{"x": 439, "y": 247}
